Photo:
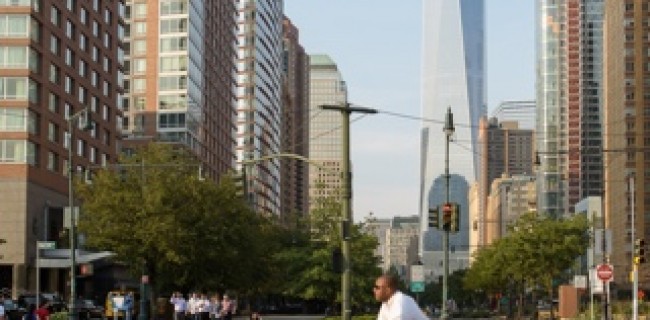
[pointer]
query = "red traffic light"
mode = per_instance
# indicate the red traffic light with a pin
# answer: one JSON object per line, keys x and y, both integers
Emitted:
{"x": 446, "y": 208}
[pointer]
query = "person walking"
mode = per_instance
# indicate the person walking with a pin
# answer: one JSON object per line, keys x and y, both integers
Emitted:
{"x": 215, "y": 307}
{"x": 2, "y": 308}
{"x": 180, "y": 305}
{"x": 227, "y": 308}
{"x": 395, "y": 304}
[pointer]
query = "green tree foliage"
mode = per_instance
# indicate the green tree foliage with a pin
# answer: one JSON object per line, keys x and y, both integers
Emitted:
{"x": 192, "y": 233}
{"x": 536, "y": 250}
{"x": 308, "y": 261}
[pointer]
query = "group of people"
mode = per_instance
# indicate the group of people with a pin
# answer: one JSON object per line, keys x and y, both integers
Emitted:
{"x": 32, "y": 313}
{"x": 201, "y": 307}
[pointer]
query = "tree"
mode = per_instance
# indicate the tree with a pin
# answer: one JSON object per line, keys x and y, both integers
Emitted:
{"x": 313, "y": 275}
{"x": 155, "y": 212}
{"x": 537, "y": 250}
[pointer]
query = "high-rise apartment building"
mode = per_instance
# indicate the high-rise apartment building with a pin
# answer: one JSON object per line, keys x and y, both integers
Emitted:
{"x": 453, "y": 73}
{"x": 295, "y": 123}
{"x": 398, "y": 240}
{"x": 326, "y": 87}
{"x": 522, "y": 112}
{"x": 504, "y": 150}
{"x": 56, "y": 58}
{"x": 259, "y": 98}
{"x": 569, "y": 97}
{"x": 627, "y": 133}
{"x": 179, "y": 84}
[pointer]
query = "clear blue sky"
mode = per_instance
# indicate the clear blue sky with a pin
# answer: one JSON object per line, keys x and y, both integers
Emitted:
{"x": 377, "y": 46}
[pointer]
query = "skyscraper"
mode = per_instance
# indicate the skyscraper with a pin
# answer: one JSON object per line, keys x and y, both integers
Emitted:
{"x": 453, "y": 71}
{"x": 295, "y": 123}
{"x": 57, "y": 58}
{"x": 259, "y": 98}
{"x": 326, "y": 87}
{"x": 179, "y": 82}
{"x": 523, "y": 112}
{"x": 569, "y": 99}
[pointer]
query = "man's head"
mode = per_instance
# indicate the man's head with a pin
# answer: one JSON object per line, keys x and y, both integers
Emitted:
{"x": 385, "y": 287}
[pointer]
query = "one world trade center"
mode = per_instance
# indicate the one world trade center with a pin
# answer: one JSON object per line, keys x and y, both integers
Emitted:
{"x": 453, "y": 76}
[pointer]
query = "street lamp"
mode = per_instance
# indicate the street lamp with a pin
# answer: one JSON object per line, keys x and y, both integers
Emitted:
{"x": 449, "y": 131}
{"x": 346, "y": 213}
{"x": 73, "y": 221}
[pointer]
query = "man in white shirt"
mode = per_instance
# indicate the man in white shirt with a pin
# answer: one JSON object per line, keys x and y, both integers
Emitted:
{"x": 394, "y": 304}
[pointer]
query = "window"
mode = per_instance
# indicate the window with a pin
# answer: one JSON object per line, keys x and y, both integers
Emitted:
{"x": 52, "y": 132}
{"x": 139, "y": 103}
{"x": 95, "y": 29}
{"x": 69, "y": 57}
{"x": 106, "y": 88}
{"x": 13, "y": 119}
{"x": 107, "y": 40}
{"x": 13, "y": 57}
{"x": 13, "y": 88}
{"x": 139, "y": 66}
{"x": 83, "y": 16}
{"x": 96, "y": 5}
{"x": 108, "y": 17}
{"x": 140, "y": 28}
{"x": 171, "y": 120}
{"x": 105, "y": 113}
{"x": 172, "y": 102}
{"x": 173, "y": 44}
{"x": 139, "y": 47}
{"x": 14, "y": 25}
{"x": 69, "y": 29}
{"x": 54, "y": 44}
{"x": 173, "y": 64}
{"x": 106, "y": 64}
{"x": 83, "y": 42}
{"x": 82, "y": 95}
{"x": 83, "y": 68}
{"x": 173, "y": 25}
{"x": 54, "y": 73}
{"x": 81, "y": 147}
{"x": 53, "y": 103}
{"x": 173, "y": 83}
{"x": 69, "y": 85}
{"x": 52, "y": 161}
{"x": 55, "y": 16}
{"x": 17, "y": 151}
{"x": 169, "y": 7}
{"x": 95, "y": 54}
{"x": 94, "y": 79}
{"x": 139, "y": 85}
{"x": 71, "y": 4}
{"x": 140, "y": 10}
{"x": 11, "y": 3}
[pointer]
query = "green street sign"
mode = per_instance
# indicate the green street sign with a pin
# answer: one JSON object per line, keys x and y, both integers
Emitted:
{"x": 417, "y": 286}
{"x": 46, "y": 245}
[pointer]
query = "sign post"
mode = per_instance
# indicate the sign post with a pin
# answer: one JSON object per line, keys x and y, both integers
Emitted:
{"x": 605, "y": 272}
{"x": 41, "y": 245}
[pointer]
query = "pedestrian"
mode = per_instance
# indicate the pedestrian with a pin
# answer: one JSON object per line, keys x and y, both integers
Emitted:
{"x": 215, "y": 307}
{"x": 31, "y": 313}
{"x": 395, "y": 304}
{"x": 42, "y": 312}
{"x": 2, "y": 307}
{"x": 227, "y": 308}
{"x": 204, "y": 307}
{"x": 255, "y": 316}
{"x": 180, "y": 305}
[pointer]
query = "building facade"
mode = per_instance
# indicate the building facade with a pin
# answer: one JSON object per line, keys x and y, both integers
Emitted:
{"x": 259, "y": 98}
{"x": 179, "y": 82}
{"x": 295, "y": 124}
{"x": 627, "y": 133}
{"x": 453, "y": 76}
{"x": 326, "y": 87}
{"x": 569, "y": 96}
{"x": 57, "y": 59}
{"x": 507, "y": 151}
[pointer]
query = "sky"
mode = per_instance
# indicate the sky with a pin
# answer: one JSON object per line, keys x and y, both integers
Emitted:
{"x": 377, "y": 47}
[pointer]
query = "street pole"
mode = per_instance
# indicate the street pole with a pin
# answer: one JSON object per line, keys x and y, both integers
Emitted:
{"x": 449, "y": 130}
{"x": 346, "y": 212}
{"x": 635, "y": 267}
{"x": 73, "y": 219}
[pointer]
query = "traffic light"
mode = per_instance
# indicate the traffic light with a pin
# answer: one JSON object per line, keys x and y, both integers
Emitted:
{"x": 455, "y": 217}
{"x": 434, "y": 217}
{"x": 639, "y": 251}
{"x": 240, "y": 183}
{"x": 337, "y": 260}
{"x": 446, "y": 216}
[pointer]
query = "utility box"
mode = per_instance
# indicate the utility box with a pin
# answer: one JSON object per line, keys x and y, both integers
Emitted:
{"x": 568, "y": 299}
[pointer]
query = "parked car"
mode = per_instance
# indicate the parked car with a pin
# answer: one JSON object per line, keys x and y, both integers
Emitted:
{"x": 12, "y": 310}
{"x": 55, "y": 303}
{"x": 88, "y": 309}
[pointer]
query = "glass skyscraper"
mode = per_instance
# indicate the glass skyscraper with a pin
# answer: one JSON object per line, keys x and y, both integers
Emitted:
{"x": 453, "y": 66}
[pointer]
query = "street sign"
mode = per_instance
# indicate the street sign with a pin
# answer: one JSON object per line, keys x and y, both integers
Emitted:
{"x": 417, "y": 286}
{"x": 605, "y": 272}
{"x": 580, "y": 281}
{"x": 417, "y": 273}
{"x": 46, "y": 244}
